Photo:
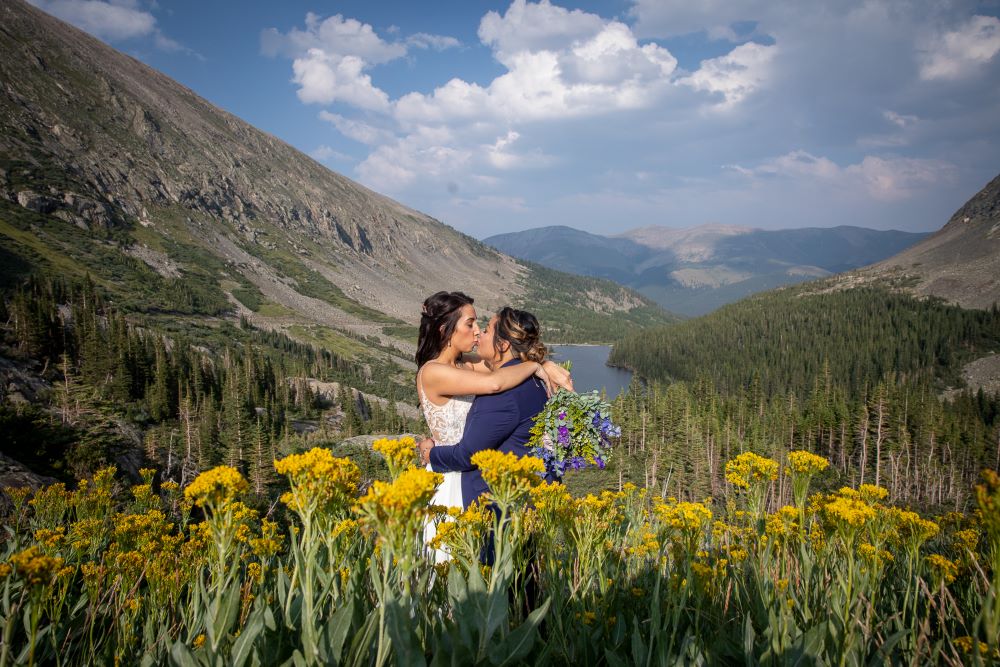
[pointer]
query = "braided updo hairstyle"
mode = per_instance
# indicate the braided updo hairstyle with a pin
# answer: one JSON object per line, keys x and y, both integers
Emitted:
{"x": 438, "y": 320}
{"x": 521, "y": 331}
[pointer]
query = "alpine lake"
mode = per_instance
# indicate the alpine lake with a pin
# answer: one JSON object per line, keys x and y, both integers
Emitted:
{"x": 590, "y": 369}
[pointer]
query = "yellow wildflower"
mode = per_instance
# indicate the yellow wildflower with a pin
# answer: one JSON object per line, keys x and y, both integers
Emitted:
{"x": 35, "y": 567}
{"x": 198, "y": 641}
{"x": 967, "y": 645}
{"x": 399, "y": 454}
{"x": 345, "y": 527}
{"x": 873, "y": 494}
{"x": 50, "y": 539}
{"x": 5, "y": 570}
{"x": 216, "y": 487}
{"x": 749, "y": 468}
{"x": 320, "y": 481}
{"x": 966, "y": 539}
{"x": 849, "y": 512}
{"x": 942, "y": 569}
{"x": 806, "y": 463}
{"x": 783, "y": 524}
{"x": 509, "y": 476}
{"x": 689, "y": 518}
{"x": 409, "y": 494}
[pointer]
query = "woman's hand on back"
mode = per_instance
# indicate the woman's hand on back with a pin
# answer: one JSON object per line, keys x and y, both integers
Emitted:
{"x": 558, "y": 376}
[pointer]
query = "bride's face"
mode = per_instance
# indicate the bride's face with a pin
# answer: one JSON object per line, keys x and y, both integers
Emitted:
{"x": 466, "y": 332}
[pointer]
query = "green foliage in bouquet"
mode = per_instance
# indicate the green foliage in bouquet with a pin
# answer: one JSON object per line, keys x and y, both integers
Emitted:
{"x": 573, "y": 431}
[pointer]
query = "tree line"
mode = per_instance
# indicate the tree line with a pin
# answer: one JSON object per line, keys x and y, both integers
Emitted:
{"x": 782, "y": 340}
{"x": 241, "y": 403}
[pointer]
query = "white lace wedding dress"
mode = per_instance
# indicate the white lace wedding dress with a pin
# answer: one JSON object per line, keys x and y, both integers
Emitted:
{"x": 447, "y": 423}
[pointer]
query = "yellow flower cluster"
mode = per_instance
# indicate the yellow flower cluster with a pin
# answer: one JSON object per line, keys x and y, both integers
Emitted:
{"x": 319, "y": 480}
{"x": 404, "y": 498}
{"x": 750, "y": 469}
{"x": 872, "y": 494}
{"x": 216, "y": 487}
{"x": 346, "y": 527}
{"x": 552, "y": 499}
{"x": 849, "y": 512}
{"x": 966, "y": 539}
{"x": 967, "y": 645}
{"x": 783, "y": 524}
{"x": 400, "y": 454}
{"x": 911, "y": 527}
{"x": 50, "y": 539}
{"x": 942, "y": 569}
{"x": 873, "y": 555}
{"x": 690, "y": 518}
{"x": 806, "y": 463}
{"x": 500, "y": 467}
{"x": 35, "y": 567}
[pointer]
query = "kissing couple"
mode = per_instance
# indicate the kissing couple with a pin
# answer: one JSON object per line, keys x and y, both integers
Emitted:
{"x": 473, "y": 402}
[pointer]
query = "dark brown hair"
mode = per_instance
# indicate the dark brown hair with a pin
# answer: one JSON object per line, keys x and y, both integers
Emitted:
{"x": 438, "y": 320}
{"x": 521, "y": 331}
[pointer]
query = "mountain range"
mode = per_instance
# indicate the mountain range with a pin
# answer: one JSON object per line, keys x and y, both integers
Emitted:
{"x": 695, "y": 270}
{"x": 176, "y": 208}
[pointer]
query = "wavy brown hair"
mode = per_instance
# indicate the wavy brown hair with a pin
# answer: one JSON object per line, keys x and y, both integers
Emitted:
{"x": 438, "y": 320}
{"x": 519, "y": 329}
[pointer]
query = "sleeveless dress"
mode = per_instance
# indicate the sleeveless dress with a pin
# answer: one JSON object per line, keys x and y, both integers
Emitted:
{"x": 447, "y": 423}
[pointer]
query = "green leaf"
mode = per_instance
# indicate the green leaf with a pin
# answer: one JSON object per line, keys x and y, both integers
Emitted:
{"x": 244, "y": 643}
{"x": 518, "y": 643}
{"x": 337, "y": 629}
{"x": 749, "y": 636}
{"x": 181, "y": 655}
{"x": 638, "y": 646}
{"x": 362, "y": 643}
{"x": 400, "y": 625}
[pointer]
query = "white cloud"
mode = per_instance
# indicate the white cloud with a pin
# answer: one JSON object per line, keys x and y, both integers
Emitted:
{"x": 325, "y": 153}
{"x": 357, "y": 130}
{"x": 335, "y": 35}
{"x": 112, "y": 20}
{"x": 886, "y": 179}
{"x": 898, "y": 119}
{"x": 957, "y": 53}
{"x": 106, "y": 20}
{"x": 422, "y": 40}
{"x": 736, "y": 74}
{"x": 536, "y": 27}
{"x": 426, "y": 154}
{"x": 324, "y": 78}
{"x": 603, "y": 71}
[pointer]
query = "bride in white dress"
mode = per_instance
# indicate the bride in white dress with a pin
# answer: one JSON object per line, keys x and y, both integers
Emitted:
{"x": 449, "y": 377}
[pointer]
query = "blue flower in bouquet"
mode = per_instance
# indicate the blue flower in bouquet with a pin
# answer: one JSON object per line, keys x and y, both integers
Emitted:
{"x": 573, "y": 431}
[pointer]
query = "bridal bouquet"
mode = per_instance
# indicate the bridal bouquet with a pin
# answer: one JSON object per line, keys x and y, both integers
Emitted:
{"x": 573, "y": 431}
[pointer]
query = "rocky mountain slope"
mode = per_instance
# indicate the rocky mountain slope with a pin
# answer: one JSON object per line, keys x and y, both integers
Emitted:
{"x": 959, "y": 263}
{"x": 175, "y": 207}
{"x": 695, "y": 270}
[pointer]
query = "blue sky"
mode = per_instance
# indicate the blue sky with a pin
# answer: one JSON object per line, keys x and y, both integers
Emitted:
{"x": 605, "y": 116}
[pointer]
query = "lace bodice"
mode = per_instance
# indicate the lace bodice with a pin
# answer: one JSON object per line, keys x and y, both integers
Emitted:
{"x": 446, "y": 422}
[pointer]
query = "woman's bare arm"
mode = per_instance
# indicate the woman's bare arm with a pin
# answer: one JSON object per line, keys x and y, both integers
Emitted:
{"x": 443, "y": 380}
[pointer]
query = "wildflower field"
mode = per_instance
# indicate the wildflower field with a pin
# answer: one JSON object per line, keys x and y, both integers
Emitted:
{"x": 193, "y": 576}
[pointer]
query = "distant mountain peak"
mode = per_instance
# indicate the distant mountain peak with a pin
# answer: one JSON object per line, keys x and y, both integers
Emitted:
{"x": 694, "y": 270}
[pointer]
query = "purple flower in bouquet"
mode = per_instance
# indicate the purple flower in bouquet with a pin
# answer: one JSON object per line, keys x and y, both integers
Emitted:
{"x": 573, "y": 431}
